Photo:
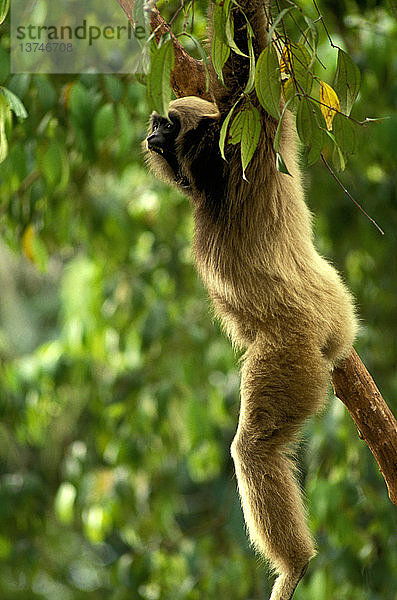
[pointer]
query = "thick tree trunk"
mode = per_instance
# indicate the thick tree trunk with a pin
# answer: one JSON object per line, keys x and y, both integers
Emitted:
{"x": 352, "y": 383}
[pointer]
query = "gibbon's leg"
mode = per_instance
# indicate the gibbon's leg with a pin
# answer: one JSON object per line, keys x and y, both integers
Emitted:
{"x": 279, "y": 390}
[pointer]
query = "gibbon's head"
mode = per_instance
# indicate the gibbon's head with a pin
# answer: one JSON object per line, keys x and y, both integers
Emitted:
{"x": 165, "y": 135}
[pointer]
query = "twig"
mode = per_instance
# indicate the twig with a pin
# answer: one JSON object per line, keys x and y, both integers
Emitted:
{"x": 305, "y": 38}
{"x": 177, "y": 12}
{"x": 367, "y": 120}
{"x": 348, "y": 194}
{"x": 282, "y": 20}
{"x": 321, "y": 18}
{"x": 28, "y": 181}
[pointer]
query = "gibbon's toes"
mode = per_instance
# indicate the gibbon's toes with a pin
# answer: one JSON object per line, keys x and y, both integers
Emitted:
{"x": 286, "y": 584}
{"x": 302, "y": 574}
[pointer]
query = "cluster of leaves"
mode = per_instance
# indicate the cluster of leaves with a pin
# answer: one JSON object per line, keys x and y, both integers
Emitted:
{"x": 283, "y": 77}
{"x": 72, "y": 124}
{"x": 157, "y": 57}
{"x": 319, "y": 113}
{"x": 35, "y": 175}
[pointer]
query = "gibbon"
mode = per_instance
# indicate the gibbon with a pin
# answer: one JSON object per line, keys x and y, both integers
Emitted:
{"x": 276, "y": 297}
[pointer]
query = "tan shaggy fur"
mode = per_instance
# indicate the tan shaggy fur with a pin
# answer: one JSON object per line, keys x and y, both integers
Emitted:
{"x": 281, "y": 302}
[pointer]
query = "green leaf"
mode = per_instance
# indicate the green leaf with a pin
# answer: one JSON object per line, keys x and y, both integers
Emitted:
{"x": 15, "y": 103}
{"x": 280, "y": 164}
{"x": 54, "y": 165}
{"x": 314, "y": 152}
{"x": 296, "y": 62}
{"x": 82, "y": 104}
{"x": 337, "y": 155}
{"x": 290, "y": 95}
{"x": 64, "y": 502}
{"x": 301, "y": 63}
{"x": 268, "y": 81}
{"x": 204, "y": 462}
{"x": 4, "y": 6}
{"x": 104, "y": 123}
{"x": 126, "y": 130}
{"x": 276, "y": 141}
{"x": 46, "y": 92}
{"x": 276, "y": 21}
{"x": 338, "y": 159}
{"x": 305, "y": 123}
{"x": 250, "y": 133}
{"x": 251, "y": 78}
{"x": 17, "y": 159}
{"x": 313, "y": 30}
{"x": 223, "y": 26}
{"x": 40, "y": 253}
{"x": 229, "y": 29}
{"x": 245, "y": 129}
{"x": 4, "y": 64}
{"x": 236, "y": 128}
{"x": 140, "y": 16}
{"x": 4, "y": 114}
{"x": 141, "y": 67}
{"x": 114, "y": 87}
{"x": 19, "y": 84}
{"x": 309, "y": 123}
{"x": 347, "y": 81}
{"x": 224, "y": 128}
{"x": 158, "y": 86}
{"x": 51, "y": 164}
{"x": 220, "y": 53}
{"x": 345, "y": 134}
{"x": 219, "y": 23}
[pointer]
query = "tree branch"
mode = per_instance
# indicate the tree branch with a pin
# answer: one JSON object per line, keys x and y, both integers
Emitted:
{"x": 353, "y": 385}
{"x": 188, "y": 77}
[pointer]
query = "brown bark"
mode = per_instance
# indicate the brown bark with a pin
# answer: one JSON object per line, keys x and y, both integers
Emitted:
{"x": 354, "y": 386}
{"x": 352, "y": 383}
{"x": 188, "y": 77}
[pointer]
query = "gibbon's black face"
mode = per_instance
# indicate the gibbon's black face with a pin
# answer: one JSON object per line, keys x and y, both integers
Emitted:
{"x": 163, "y": 137}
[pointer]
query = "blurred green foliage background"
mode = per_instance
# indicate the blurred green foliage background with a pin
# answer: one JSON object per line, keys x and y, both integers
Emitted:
{"x": 119, "y": 397}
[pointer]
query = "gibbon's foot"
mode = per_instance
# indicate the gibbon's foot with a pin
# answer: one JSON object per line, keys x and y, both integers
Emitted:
{"x": 302, "y": 574}
{"x": 284, "y": 588}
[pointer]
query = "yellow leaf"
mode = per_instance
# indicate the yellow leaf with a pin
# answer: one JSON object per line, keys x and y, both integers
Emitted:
{"x": 28, "y": 241}
{"x": 329, "y": 103}
{"x": 34, "y": 248}
{"x": 285, "y": 60}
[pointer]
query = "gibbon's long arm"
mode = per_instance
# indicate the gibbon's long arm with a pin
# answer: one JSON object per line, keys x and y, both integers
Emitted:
{"x": 236, "y": 68}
